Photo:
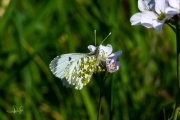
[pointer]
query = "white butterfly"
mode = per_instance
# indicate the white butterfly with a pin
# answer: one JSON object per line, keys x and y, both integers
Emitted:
{"x": 76, "y": 69}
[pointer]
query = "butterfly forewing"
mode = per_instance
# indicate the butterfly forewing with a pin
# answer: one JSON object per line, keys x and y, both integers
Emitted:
{"x": 59, "y": 63}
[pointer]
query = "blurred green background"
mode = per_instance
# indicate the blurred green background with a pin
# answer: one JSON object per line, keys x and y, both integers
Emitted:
{"x": 33, "y": 32}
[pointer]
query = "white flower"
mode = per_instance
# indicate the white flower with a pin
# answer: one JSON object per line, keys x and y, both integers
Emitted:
{"x": 106, "y": 55}
{"x": 155, "y": 17}
{"x": 105, "y": 51}
{"x": 174, "y": 7}
{"x": 161, "y": 16}
{"x": 143, "y": 5}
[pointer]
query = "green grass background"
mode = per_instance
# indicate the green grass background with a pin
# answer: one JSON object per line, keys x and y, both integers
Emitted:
{"x": 33, "y": 32}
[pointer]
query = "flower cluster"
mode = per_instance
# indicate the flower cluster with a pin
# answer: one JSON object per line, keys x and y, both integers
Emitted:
{"x": 154, "y": 13}
{"x": 106, "y": 55}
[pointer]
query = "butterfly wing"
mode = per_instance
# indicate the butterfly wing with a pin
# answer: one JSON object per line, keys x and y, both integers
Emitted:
{"x": 81, "y": 71}
{"x": 74, "y": 69}
{"x": 59, "y": 63}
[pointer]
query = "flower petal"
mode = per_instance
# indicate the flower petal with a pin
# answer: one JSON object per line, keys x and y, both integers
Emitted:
{"x": 145, "y": 5}
{"x": 160, "y": 6}
{"x": 158, "y": 24}
{"x": 136, "y": 19}
{"x": 147, "y": 17}
{"x": 174, "y": 3}
{"x": 107, "y": 49}
{"x": 118, "y": 53}
{"x": 92, "y": 48}
{"x": 170, "y": 10}
{"x": 141, "y": 5}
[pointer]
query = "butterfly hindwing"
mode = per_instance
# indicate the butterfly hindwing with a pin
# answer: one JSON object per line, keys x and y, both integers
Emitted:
{"x": 81, "y": 71}
{"x": 74, "y": 69}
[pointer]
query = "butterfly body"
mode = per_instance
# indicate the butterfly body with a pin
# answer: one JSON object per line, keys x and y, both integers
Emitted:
{"x": 75, "y": 69}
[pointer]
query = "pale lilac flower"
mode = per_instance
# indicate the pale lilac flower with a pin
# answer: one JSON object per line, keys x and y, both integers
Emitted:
{"x": 112, "y": 65}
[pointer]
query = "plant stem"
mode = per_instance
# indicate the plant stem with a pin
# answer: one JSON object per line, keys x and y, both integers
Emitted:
{"x": 101, "y": 95}
{"x": 111, "y": 100}
{"x": 178, "y": 52}
{"x": 177, "y": 105}
{"x": 99, "y": 106}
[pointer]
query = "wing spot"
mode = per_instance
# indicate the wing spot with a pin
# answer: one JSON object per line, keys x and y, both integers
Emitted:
{"x": 70, "y": 58}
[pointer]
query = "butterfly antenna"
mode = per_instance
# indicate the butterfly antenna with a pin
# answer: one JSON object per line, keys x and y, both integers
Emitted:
{"x": 95, "y": 36}
{"x": 106, "y": 37}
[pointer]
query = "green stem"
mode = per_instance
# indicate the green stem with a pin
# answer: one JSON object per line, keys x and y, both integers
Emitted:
{"x": 174, "y": 29}
{"x": 101, "y": 95}
{"x": 178, "y": 71}
{"x": 99, "y": 106}
{"x": 164, "y": 113}
{"x": 178, "y": 52}
{"x": 111, "y": 100}
{"x": 175, "y": 113}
